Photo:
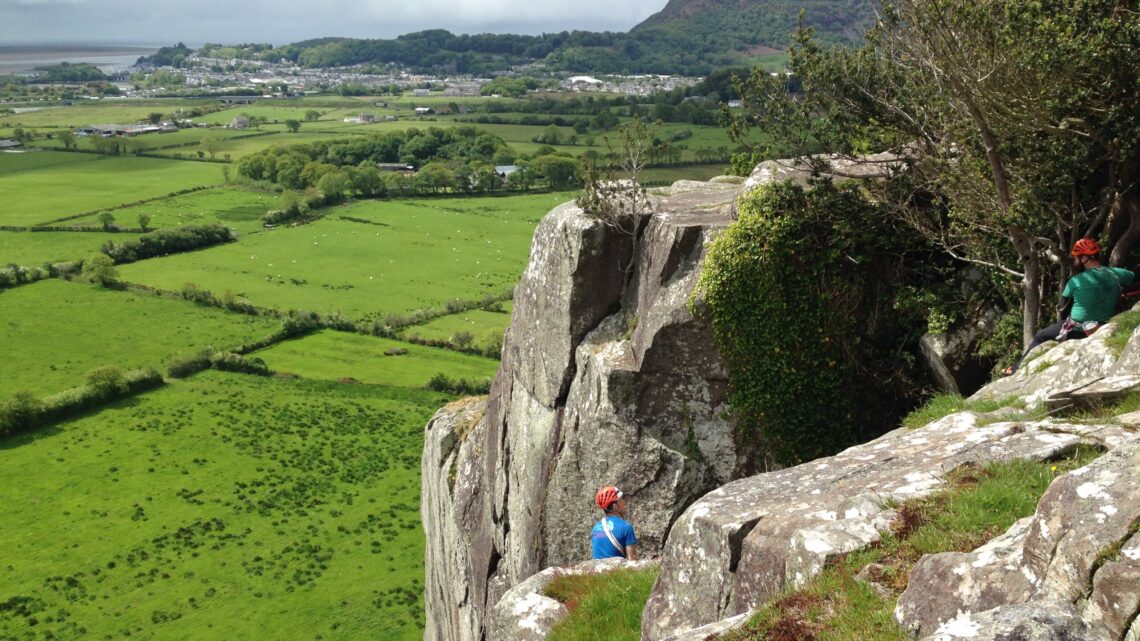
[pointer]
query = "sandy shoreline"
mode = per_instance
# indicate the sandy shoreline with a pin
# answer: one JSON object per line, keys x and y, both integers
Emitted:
{"x": 17, "y": 58}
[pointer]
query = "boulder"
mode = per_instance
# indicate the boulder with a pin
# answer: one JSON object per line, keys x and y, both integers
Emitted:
{"x": 1080, "y": 544}
{"x": 746, "y": 541}
{"x": 1054, "y": 367}
{"x": 525, "y": 613}
{"x": 605, "y": 378}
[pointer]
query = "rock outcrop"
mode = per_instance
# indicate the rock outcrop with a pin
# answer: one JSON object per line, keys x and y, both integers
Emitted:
{"x": 605, "y": 378}
{"x": 525, "y": 613}
{"x": 746, "y": 541}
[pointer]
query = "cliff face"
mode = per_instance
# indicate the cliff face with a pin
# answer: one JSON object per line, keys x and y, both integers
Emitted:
{"x": 605, "y": 378}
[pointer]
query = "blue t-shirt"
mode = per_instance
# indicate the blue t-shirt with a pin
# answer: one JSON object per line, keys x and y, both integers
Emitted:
{"x": 622, "y": 531}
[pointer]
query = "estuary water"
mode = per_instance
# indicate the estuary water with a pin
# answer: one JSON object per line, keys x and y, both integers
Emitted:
{"x": 109, "y": 58}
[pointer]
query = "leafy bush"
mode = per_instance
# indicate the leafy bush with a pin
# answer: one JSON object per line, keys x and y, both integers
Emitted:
{"x": 188, "y": 365}
{"x": 168, "y": 241}
{"x": 231, "y": 362}
{"x": 443, "y": 383}
{"x": 800, "y": 293}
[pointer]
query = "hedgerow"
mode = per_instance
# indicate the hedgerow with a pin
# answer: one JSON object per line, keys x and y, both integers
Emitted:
{"x": 24, "y": 411}
{"x": 168, "y": 241}
{"x": 802, "y": 293}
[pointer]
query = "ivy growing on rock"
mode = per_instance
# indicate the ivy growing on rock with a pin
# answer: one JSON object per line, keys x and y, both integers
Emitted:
{"x": 803, "y": 296}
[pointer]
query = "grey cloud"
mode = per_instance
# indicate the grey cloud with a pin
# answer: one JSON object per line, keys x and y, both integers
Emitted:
{"x": 284, "y": 21}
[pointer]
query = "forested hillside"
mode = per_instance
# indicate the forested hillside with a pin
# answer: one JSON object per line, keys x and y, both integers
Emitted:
{"x": 690, "y": 37}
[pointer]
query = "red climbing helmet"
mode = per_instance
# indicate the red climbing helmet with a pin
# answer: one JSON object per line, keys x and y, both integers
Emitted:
{"x": 1085, "y": 247}
{"x": 607, "y": 496}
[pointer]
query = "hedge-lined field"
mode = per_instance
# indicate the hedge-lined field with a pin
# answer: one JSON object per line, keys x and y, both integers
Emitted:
{"x": 481, "y": 326}
{"x": 236, "y": 208}
{"x": 52, "y": 332}
{"x": 32, "y": 249}
{"x": 42, "y": 186}
{"x": 407, "y": 255}
{"x": 226, "y": 506}
{"x": 330, "y": 355}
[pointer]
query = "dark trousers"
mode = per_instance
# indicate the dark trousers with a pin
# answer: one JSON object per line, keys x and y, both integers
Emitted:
{"x": 1050, "y": 333}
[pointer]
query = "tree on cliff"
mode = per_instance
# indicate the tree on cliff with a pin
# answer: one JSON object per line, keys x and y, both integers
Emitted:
{"x": 1019, "y": 121}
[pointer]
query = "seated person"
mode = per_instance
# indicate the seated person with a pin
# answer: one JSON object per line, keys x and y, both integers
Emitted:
{"x": 1093, "y": 291}
{"x": 613, "y": 536}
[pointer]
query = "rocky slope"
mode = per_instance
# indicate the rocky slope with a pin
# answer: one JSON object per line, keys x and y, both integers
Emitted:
{"x": 605, "y": 378}
{"x": 746, "y": 541}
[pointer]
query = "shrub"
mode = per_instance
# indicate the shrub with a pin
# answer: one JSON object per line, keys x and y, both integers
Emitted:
{"x": 443, "y": 383}
{"x": 188, "y": 365}
{"x": 231, "y": 362}
{"x": 800, "y": 294}
{"x": 106, "y": 381}
{"x": 100, "y": 269}
{"x": 168, "y": 241}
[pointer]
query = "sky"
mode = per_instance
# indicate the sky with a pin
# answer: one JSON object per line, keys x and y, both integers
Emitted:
{"x": 283, "y": 21}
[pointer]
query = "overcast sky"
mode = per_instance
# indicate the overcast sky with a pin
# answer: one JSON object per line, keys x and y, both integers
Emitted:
{"x": 284, "y": 21}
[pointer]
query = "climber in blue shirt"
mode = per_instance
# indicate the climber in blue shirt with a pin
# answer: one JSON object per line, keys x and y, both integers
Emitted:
{"x": 613, "y": 536}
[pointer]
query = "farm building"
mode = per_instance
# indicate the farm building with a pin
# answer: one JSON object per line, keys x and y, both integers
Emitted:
{"x": 240, "y": 122}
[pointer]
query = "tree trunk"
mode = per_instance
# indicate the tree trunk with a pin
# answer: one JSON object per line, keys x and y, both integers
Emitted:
{"x": 1030, "y": 284}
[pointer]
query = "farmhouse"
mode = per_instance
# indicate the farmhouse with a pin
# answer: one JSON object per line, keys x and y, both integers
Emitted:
{"x": 420, "y": 111}
{"x": 8, "y": 143}
{"x": 239, "y": 122}
{"x": 105, "y": 131}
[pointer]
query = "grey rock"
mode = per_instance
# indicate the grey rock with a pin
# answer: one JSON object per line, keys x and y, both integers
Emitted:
{"x": 524, "y": 613}
{"x": 746, "y": 541}
{"x": 799, "y": 171}
{"x": 1054, "y": 367}
{"x": 1039, "y": 621}
{"x": 1095, "y": 394}
{"x": 950, "y": 356}
{"x": 1049, "y": 557}
{"x": 605, "y": 377}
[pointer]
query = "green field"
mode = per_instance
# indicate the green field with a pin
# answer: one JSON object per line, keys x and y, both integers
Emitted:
{"x": 415, "y": 254}
{"x": 52, "y": 332}
{"x": 222, "y": 507}
{"x": 330, "y": 355}
{"x": 483, "y": 326}
{"x": 39, "y": 187}
{"x": 32, "y": 249}
{"x": 239, "y": 209}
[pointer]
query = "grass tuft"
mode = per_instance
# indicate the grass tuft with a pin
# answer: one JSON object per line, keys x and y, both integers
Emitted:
{"x": 603, "y": 607}
{"x": 1125, "y": 324}
{"x": 943, "y": 405}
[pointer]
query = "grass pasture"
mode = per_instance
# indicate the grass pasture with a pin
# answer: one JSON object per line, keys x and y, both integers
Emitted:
{"x": 32, "y": 249}
{"x": 483, "y": 326}
{"x": 406, "y": 255}
{"x": 44, "y": 186}
{"x": 330, "y": 355}
{"x": 220, "y": 507}
{"x": 52, "y": 332}
{"x": 239, "y": 209}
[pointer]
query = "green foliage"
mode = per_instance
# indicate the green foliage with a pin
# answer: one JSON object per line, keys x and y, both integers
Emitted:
{"x": 100, "y": 269}
{"x": 443, "y": 383}
{"x": 168, "y": 241}
{"x": 188, "y": 365}
{"x": 231, "y": 362}
{"x": 1013, "y": 151}
{"x": 106, "y": 380}
{"x": 602, "y": 606}
{"x": 800, "y": 292}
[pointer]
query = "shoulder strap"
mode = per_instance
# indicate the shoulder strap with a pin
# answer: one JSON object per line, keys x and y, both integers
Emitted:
{"x": 609, "y": 530}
